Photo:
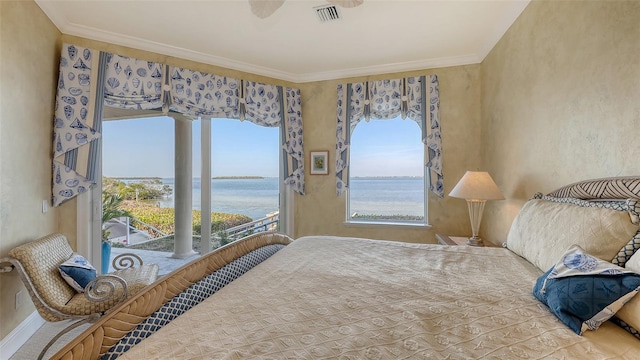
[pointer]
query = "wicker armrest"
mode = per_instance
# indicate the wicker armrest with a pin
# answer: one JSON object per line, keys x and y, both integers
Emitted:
{"x": 125, "y": 261}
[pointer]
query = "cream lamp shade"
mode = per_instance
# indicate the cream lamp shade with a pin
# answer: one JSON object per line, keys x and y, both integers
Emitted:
{"x": 476, "y": 187}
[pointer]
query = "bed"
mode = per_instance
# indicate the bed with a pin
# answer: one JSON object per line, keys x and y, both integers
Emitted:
{"x": 324, "y": 297}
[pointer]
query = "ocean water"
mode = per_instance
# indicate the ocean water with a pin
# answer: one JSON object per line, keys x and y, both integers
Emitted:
{"x": 258, "y": 197}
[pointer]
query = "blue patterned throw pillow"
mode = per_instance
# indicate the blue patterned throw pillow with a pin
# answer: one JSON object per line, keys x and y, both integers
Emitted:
{"x": 77, "y": 272}
{"x": 584, "y": 291}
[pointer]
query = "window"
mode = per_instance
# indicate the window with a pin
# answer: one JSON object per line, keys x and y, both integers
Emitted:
{"x": 245, "y": 175}
{"x": 243, "y": 165}
{"x": 386, "y": 177}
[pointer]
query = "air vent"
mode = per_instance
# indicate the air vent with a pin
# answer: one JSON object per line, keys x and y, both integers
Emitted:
{"x": 327, "y": 13}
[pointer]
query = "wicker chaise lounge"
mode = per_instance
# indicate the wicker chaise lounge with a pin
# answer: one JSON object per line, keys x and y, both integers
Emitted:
{"x": 37, "y": 264}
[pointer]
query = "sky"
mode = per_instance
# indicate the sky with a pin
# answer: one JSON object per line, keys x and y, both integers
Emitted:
{"x": 145, "y": 148}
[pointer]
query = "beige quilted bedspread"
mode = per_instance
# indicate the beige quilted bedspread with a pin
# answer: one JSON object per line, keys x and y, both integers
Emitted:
{"x": 345, "y": 298}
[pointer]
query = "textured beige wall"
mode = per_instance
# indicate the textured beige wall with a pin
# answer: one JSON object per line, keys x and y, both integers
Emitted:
{"x": 29, "y": 48}
{"x": 560, "y": 101}
{"x": 322, "y": 212}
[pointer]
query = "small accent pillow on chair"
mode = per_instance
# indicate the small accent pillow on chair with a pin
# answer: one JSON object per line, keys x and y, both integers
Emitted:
{"x": 77, "y": 272}
{"x": 584, "y": 291}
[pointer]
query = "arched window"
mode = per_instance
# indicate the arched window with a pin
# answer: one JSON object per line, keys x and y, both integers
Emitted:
{"x": 386, "y": 180}
{"x": 415, "y": 99}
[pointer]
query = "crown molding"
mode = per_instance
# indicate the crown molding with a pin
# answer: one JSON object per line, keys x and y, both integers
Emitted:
{"x": 174, "y": 51}
{"x": 391, "y": 68}
{"x": 62, "y": 23}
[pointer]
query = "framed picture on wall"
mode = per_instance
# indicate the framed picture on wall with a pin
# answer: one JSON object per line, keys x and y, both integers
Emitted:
{"x": 319, "y": 162}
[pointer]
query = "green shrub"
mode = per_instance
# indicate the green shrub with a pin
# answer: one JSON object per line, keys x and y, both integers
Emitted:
{"x": 164, "y": 218}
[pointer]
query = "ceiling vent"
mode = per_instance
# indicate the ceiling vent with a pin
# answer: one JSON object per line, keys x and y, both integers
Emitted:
{"x": 327, "y": 13}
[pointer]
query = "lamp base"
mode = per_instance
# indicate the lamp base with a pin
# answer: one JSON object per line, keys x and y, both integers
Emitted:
{"x": 475, "y": 241}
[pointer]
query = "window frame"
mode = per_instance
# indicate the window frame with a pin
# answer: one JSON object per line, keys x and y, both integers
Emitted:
{"x": 389, "y": 223}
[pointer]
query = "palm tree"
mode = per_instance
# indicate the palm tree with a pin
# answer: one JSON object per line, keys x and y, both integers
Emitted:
{"x": 110, "y": 210}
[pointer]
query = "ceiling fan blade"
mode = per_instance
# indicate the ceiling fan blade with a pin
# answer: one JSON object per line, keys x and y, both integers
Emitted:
{"x": 346, "y": 3}
{"x": 264, "y": 8}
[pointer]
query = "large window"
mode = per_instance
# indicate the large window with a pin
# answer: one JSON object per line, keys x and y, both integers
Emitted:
{"x": 386, "y": 178}
{"x": 139, "y": 162}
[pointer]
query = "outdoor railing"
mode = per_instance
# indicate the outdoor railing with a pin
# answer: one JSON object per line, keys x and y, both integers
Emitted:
{"x": 220, "y": 237}
{"x": 130, "y": 234}
{"x": 269, "y": 222}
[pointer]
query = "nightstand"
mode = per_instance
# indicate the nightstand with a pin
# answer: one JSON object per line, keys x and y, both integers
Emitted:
{"x": 459, "y": 240}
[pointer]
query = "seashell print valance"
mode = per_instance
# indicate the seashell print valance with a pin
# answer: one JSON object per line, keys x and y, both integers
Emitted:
{"x": 90, "y": 79}
{"x": 416, "y": 98}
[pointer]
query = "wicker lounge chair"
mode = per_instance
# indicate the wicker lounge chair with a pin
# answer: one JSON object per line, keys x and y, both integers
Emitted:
{"x": 37, "y": 263}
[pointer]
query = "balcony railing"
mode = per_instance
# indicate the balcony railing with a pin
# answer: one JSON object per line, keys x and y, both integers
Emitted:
{"x": 125, "y": 233}
{"x": 267, "y": 223}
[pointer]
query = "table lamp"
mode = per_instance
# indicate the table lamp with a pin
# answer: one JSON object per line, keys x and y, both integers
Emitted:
{"x": 476, "y": 187}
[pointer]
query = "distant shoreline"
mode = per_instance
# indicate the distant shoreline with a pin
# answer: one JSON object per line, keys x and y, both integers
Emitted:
{"x": 236, "y": 177}
{"x": 134, "y": 177}
{"x": 252, "y": 177}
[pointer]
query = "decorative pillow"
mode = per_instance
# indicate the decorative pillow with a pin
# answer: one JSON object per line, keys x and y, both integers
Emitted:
{"x": 633, "y": 263}
{"x": 543, "y": 230}
{"x": 584, "y": 291}
{"x": 631, "y": 206}
{"x": 630, "y": 312}
{"x": 627, "y": 251}
{"x": 77, "y": 272}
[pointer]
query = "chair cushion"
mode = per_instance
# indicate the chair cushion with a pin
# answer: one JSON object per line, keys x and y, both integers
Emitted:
{"x": 136, "y": 279}
{"x": 77, "y": 272}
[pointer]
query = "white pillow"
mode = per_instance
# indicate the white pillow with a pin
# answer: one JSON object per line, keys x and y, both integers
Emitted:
{"x": 544, "y": 230}
{"x": 633, "y": 263}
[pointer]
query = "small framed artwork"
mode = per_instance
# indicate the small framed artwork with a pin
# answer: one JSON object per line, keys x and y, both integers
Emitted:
{"x": 319, "y": 162}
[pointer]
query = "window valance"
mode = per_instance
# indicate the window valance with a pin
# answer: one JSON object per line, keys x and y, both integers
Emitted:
{"x": 416, "y": 98}
{"x": 90, "y": 79}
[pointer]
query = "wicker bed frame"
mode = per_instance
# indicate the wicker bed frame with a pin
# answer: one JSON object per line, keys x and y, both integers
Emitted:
{"x": 103, "y": 335}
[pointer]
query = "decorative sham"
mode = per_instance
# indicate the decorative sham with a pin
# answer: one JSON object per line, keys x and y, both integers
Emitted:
{"x": 630, "y": 206}
{"x": 543, "y": 230}
{"x": 414, "y": 97}
{"x": 90, "y": 79}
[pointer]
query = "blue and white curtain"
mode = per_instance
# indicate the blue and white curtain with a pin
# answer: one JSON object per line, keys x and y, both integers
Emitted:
{"x": 416, "y": 98}
{"x": 76, "y": 131}
{"x": 133, "y": 84}
{"x": 91, "y": 79}
{"x": 199, "y": 94}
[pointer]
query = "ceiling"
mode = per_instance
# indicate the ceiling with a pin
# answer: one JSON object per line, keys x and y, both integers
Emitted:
{"x": 380, "y": 36}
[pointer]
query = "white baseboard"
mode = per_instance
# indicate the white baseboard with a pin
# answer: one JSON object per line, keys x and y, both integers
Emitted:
{"x": 16, "y": 338}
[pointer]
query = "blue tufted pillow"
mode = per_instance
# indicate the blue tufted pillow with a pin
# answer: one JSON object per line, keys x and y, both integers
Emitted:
{"x": 77, "y": 272}
{"x": 584, "y": 291}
